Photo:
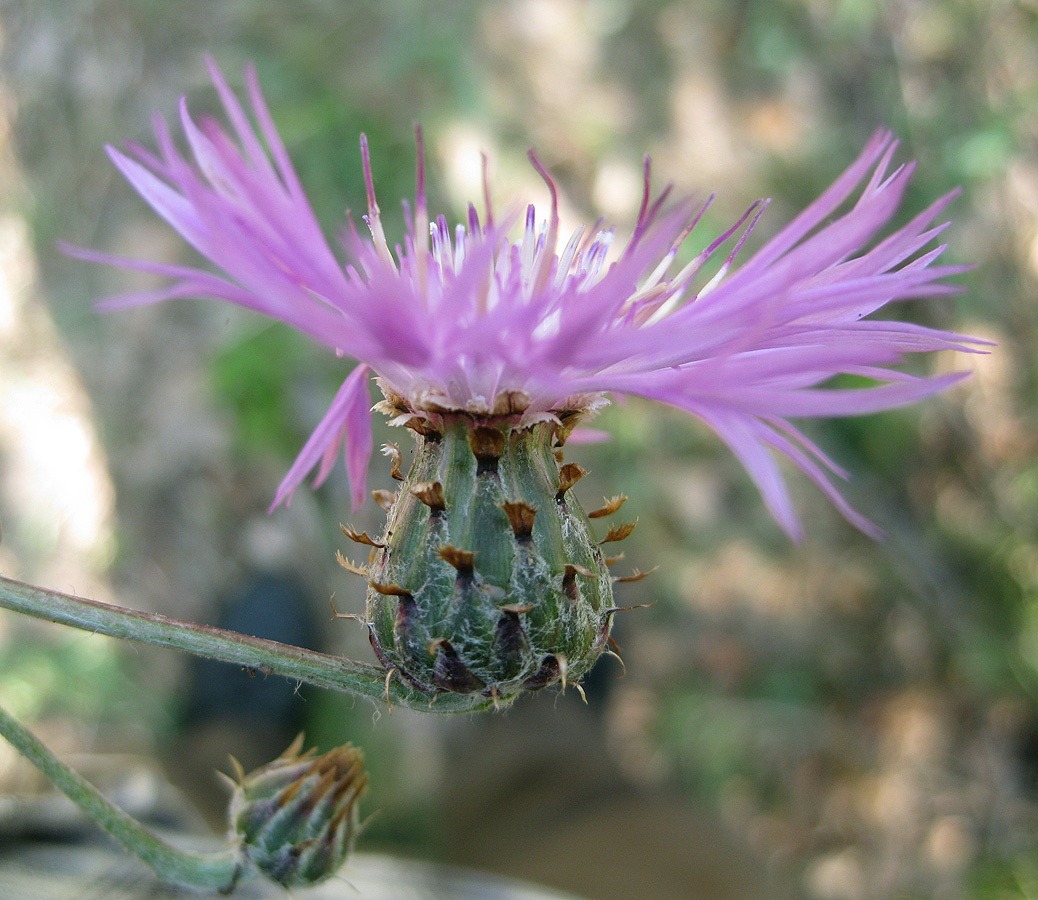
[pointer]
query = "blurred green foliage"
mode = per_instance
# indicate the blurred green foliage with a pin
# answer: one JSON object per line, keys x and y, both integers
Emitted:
{"x": 80, "y": 679}
{"x": 254, "y": 377}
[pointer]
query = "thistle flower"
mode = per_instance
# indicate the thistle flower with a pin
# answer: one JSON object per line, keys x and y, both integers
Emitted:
{"x": 492, "y": 347}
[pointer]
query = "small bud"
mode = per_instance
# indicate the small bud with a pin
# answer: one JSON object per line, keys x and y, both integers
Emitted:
{"x": 297, "y": 816}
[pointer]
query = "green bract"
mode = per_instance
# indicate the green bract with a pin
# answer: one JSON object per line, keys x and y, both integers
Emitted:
{"x": 488, "y": 580}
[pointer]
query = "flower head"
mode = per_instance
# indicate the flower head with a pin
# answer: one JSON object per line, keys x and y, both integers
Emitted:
{"x": 296, "y": 817}
{"x": 487, "y": 320}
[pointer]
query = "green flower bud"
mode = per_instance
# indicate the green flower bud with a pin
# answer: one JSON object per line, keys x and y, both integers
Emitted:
{"x": 488, "y": 580}
{"x": 296, "y": 817}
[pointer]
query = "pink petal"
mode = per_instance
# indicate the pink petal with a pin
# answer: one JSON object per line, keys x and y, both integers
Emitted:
{"x": 349, "y": 416}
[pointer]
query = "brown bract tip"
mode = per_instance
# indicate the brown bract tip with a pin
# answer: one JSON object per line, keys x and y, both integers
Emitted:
{"x": 292, "y": 751}
{"x": 394, "y": 402}
{"x": 431, "y": 494}
{"x": 239, "y": 773}
{"x": 619, "y": 532}
{"x": 462, "y": 560}
{"x": 338, "y": 615}
{"x": 384, "y": 499}
{"x": 509, "y": 403}
{"x": 563, "y": 664}
{"x": 569, "y": 475}
{"x": 360, "y": 537}
{"x": 351, "y": 567}
{"x": 636, "y": 575}
{"x": 390, "y": 590}
{"x": 520, "y": 517}
{"x": 611, "y": 506}
{"x": 417, "y": 424}
{"x": 393, "y": 452}
{"x": 615, "y": 609}
{"x": 487, "y": 443}
{"x": 568, "y": 420}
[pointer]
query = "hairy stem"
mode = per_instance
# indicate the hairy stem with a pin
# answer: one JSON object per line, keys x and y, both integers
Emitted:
{"x": 201, "y": 871}
{"x": 268, "y": 657}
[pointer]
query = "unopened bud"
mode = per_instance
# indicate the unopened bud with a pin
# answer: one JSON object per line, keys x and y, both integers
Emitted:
{"x": 297, "y": 816}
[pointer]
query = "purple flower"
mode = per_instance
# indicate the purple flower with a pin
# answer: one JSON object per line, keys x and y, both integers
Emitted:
{"x": 478, "y": 320}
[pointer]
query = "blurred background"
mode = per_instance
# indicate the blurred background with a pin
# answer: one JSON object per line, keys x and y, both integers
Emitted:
{"x": 839, "y": 720}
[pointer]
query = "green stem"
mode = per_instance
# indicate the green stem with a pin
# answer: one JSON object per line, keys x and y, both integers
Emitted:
{"x": 200, "y": 871}
{"x": 268, "y": 657}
